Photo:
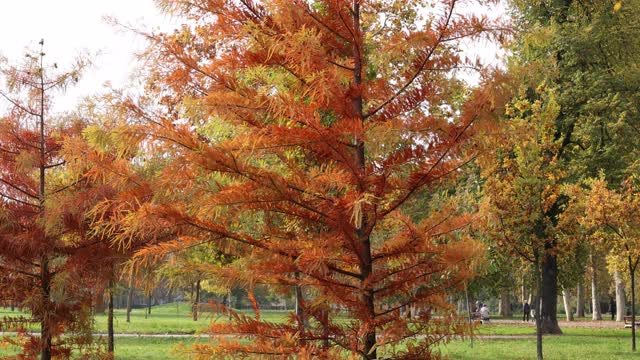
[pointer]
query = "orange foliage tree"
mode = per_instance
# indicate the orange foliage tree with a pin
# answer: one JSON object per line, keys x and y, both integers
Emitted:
{"x": 46, "y": 251}
{"x": 294, "y": 133}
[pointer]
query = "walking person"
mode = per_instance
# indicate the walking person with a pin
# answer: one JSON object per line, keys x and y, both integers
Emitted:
{"x": 527, "y": 310}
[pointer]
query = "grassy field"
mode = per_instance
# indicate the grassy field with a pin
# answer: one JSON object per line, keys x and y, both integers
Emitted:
{"x": 580, "y": 343}
{"x": 173, "y": 318}
{"x": 564, "y": 347}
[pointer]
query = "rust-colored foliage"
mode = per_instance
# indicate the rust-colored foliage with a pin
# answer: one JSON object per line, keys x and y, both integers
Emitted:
{"x": 45, "y": 248}
{"x": 293, "y": 133}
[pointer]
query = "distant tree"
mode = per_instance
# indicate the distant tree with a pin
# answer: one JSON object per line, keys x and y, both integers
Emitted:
{"x": 522, "y": 191}
{"x": 614, "y": 217}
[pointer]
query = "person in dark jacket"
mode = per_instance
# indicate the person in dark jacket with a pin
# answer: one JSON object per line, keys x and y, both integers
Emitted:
{"x": 527, "y": 310}
{"x": 612, "y": 307}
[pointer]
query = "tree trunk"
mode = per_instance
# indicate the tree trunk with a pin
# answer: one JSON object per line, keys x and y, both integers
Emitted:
{"x": 302, "y": 325}
{"x": 45, "y": 322}
{"x": 580, "y": 299}
{"x": 229, "y": 303}
{"x": 538, "y": 307}
{"x": 149, "y": 305}
{"x": 632, "y": 274}
{"x": 460, "y": 306}
{"x": 621, "y": 298}
{"x": 596, "y": 314}
{"x": 549, "y": 312}
{"x": 110, "y": 339}
{"x": 196, "y": 302}
{"x": 523, "y": 291}
{"x": 505, "y": 304}
{"x": 566, "y": 297}
{"x": 130, "y": 296}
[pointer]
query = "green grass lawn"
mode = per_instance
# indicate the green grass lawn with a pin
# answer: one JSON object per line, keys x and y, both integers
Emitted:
{"x": 172, "y": 318}
{"x": 563, "y": 347}
{"x": 511, "y": 329}
{"x": 576, "y": 343}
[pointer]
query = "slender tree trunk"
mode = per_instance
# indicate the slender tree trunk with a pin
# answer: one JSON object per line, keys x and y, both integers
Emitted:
{"x": 196, "y": 301}
{"x": 366, "y": 261}
{"x": 110, "y": 339}
{"x": 596, "y": 314}
{"x": 229, "y": 303}
{"x": 566, "y": 297}
{"x": 45, "y": 322}
{"x": 300, "y": 307}
{"x": 580, "y": 299}
{"x": 632, "y": 274}
{"x": 523, "y": 291}
{"x": 549, "y": 312}
{"x": 130, "y": 296}
{"x": 13, "y": 306}
{"x": 45, "y": 274}
{"x": 538, "y": 307}
{"x": 149, "y": 305}
{"x": 505, "y": 303}
{"x": 621, "y": 298}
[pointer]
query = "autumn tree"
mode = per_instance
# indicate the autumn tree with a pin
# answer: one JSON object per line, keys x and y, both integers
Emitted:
{"x": 576, "y": 62}
{"x": 295, "y": 133}
{"x": 521, "y": 197}
{"x": 44, "y": 243}
{"x": 613, "y": 217}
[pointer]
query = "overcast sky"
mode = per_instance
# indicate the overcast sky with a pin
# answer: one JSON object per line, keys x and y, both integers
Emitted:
{"x": 71, "y": 27}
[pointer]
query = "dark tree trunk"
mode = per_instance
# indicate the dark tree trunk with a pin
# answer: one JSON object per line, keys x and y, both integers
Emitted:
{"x": 110, "y": 340}
{"x": 505, "y": 303}
{"x": 45, "y": 322}
{"x": 549, "y": 313}
{"x": 366, "y": 261}
{"x": 196, "y": 301}
{"x": 580, "y": 299}
{"x": 229, "y": 304}
{"x": 130, "y": 296}
{"x": 538, "y": 307}
{"x": 302, "y": 324}
{"x": 149, "y": 305}
{"x": 632, "y": 274}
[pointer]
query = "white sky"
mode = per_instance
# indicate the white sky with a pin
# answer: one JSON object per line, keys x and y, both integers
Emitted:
{"x": 71, "y": 27}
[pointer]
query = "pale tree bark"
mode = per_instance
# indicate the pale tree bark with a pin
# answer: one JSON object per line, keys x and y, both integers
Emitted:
{"x": 566, "y": 296}
{"x": 460, "y": 306}
{"x": 580, "y": 299}
{"x": 596, "y": 313}
{"x": 523, "y": 292}
{"x": 621, "y": 298}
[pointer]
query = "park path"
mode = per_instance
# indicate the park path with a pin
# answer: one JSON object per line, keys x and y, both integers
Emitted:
{"x": 582, "y": 323}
